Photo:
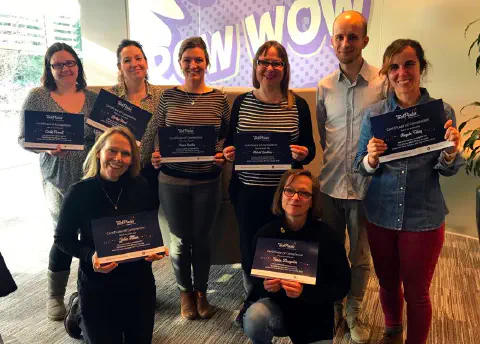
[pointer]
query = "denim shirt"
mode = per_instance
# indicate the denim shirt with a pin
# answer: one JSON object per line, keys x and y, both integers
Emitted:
{"x": 405, "y": 194}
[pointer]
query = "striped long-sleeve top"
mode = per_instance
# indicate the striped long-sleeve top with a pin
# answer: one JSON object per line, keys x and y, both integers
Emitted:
{"x": 209, "y": 109}
{"x": 249, "y": 114}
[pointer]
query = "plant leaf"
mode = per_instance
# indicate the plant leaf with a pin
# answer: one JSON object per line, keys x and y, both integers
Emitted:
{"x": 476, "y": 41}
{"x": 474, "y": 104}
{"x": 477, "y": 64}
{"x": 476, "y": 169}
{"x": 468, "y": 26}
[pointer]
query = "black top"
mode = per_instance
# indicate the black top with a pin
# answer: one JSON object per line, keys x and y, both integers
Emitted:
{"x": 86, "y": 201}
{"x": 309, "y": 317}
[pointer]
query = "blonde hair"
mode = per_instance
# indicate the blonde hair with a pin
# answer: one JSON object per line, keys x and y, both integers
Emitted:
{"x": 288, "y": 177}
{"x": 91, "y": 166}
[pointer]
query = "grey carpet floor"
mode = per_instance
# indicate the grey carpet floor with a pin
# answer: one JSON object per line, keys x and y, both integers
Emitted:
{"x": 455, "y": 295}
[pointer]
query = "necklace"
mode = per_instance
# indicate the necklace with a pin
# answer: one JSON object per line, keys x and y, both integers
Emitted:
{"x": 115, "y": 205}
{"x": 192, "y": 101}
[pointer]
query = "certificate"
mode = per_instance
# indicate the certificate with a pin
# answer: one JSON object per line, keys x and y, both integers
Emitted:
{"x": 112, "y": 111}
{"x": 262, "y": 152}
{"x": 412, "y": 131}
{"x": 47, "y": 130}
{"x": 127, "y": 237}
{"x": 286, "y": 259}
{"x": 187, "y": 144}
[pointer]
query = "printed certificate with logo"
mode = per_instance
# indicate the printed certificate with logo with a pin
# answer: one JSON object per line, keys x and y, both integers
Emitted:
{"x": 286, "y": 259}
{"x": 412, "y": 131}
{"x": 112, "y": 111}
{"x": 262, "y": 152}
{"x": 48, "y": 130}
{"x": 187, "y": 144}
{"x": 127, "y": 237}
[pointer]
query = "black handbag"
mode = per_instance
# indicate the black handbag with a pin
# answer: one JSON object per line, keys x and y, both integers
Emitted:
{"x": 7, "y": 284}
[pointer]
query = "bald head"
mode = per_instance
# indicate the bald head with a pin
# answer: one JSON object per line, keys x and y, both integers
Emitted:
{"x": 351, "y": 18}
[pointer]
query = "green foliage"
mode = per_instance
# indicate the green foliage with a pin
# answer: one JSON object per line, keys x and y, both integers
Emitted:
{"x": 29, "y": 71}
{"x": 471, "y": 148}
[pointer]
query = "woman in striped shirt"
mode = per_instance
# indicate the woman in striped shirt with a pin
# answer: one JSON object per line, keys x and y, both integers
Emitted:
{"x": 190, "y": 192}
{"x": 270, "y": 107}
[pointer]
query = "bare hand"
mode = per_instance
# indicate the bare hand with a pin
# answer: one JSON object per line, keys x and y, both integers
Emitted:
{"x": 156, "y": 159}
{"x": 229, "y": 153}
{"x": 102, "y": 268}
{"x": 57, "y": 152}
{"x": 157, "y": 256}
{"x": 219, "y": 159}
{"x": 452, "y": 135}
{"x": 293, "y": 289}
{"x": 299, "y": 153}
{"x": 375, "y": 148}
{"x": 272, "y": 285}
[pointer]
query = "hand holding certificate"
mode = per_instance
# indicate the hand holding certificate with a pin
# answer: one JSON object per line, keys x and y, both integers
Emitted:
{"x": 126, "y": 237}
{"x": 286, "y": 260}
{"x": 409, "y": 132}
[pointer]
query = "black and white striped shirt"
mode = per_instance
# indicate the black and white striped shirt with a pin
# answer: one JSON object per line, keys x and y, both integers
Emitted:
{"x": 210, "y": 109}
{"x": 252, "y": 115}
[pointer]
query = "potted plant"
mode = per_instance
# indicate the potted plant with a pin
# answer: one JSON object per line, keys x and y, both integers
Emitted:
{"x": 470, "y": 147}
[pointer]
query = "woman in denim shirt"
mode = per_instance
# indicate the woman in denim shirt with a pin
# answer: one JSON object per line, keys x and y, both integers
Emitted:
{"x": 404, "y": 204}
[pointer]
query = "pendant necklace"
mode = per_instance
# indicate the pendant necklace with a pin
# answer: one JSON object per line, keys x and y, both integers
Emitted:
{"x": 192, "y": 101}
{"x": 115, "y": 205}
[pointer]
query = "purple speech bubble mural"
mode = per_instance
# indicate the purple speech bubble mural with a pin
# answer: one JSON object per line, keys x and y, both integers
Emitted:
{"x": 233, "y": 30}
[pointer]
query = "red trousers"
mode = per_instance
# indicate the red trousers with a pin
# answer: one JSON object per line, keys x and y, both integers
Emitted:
{"x": 407, "y": 258}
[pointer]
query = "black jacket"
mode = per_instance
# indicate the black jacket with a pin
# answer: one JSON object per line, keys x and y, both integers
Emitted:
{"x": 309, "y": 317}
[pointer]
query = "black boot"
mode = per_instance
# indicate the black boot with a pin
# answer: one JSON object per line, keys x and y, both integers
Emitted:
{"x": 71, "y": 319}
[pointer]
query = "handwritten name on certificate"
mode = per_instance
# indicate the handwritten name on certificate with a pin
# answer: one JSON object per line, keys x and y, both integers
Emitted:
{"x": 187, "y": 144}
{"x": 262, "y": 151}
{"x": 112, "y": 111}
{"x": 127, "y": 237}
{"x": 412, "y": 131}
{"x": 286, "y": 259}
{"x": 48, "y": 130}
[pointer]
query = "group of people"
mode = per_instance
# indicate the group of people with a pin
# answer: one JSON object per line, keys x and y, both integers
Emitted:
{"x": 394, "y": 210}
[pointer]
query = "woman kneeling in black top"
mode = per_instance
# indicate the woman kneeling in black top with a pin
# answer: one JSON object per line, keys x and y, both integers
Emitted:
{"x": 116, "y": 302}
{"x": 289, "y": 308}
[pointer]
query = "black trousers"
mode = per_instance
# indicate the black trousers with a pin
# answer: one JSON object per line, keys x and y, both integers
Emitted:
{"x": 253, "y": 208}
{"x": 116, "y": 316}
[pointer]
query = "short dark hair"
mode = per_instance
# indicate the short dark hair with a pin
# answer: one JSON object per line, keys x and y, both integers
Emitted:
{"x": 127, "y": 43}
{"x": 316, "y": 210}
{"x": 47, "y": 77}
{"x": 398, "y": 46}
{"x": 194, "y": 42}
{"x": 282, "y": 53}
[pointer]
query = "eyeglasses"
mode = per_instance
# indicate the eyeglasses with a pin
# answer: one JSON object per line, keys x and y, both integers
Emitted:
{"x": 274, "y": 64}
{"x": 60, "y": 65}
{"x": 301, "y": 194}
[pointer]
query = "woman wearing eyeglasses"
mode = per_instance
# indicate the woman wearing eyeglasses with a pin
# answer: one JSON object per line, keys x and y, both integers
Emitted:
{"x": 270, "y": 107}
{"x": 63, "y": 90}
{"x": 304, "y": 312}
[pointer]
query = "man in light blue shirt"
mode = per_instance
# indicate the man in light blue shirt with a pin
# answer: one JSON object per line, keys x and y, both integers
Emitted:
{"x": 341, "y": 99}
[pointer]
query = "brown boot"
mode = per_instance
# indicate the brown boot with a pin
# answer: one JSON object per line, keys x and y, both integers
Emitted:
{"x": 392, "y": 338}
{"x": 188, "y": 309}
{"x": 205, "y": 311}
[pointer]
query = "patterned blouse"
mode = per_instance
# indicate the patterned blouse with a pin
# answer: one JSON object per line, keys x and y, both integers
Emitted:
{"x": 150, "y": 104}
{"x": 60, "y": 171}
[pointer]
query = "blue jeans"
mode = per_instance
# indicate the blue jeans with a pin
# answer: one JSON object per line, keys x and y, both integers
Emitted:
{"x": 190, "y": 211}
{"x": 264, "y": 320}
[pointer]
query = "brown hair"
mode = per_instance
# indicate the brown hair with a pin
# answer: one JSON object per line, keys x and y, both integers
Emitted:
{"x": 194, "y": 42}
{"x": 316, "y": 209}
{"x": 47, "y": 78}
{"x": 282, "y": 53}
{"x": 91, "y": 166}
{"x": 398, "y": 46}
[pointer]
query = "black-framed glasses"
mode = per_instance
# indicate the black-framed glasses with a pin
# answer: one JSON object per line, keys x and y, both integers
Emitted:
{"x": 289, "y": 192}
{"x": 274, "y": 64}
{"x": 60, "y": 65}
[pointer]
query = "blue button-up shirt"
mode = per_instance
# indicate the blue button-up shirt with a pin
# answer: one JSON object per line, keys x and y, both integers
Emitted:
{"x": 405, "y": 194}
